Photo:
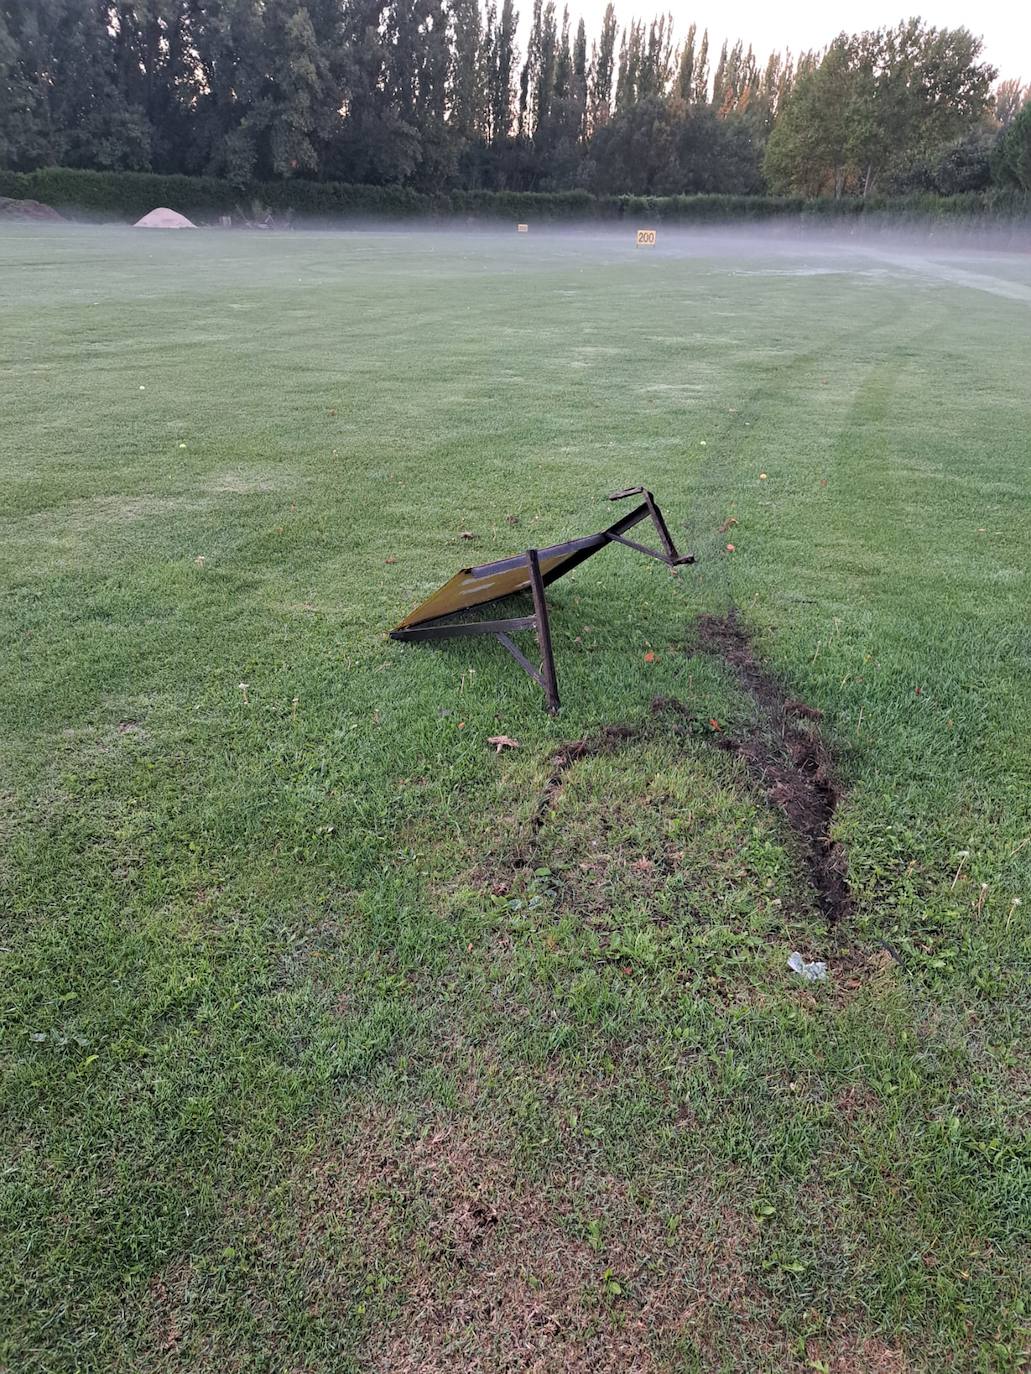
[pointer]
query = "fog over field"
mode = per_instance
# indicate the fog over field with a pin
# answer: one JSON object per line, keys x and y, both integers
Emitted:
{"x": 967, "y": 255}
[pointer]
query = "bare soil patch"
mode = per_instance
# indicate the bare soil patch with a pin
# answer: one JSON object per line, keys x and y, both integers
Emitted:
{"x": 862, "y": 1355}
{"x": 33, "y": 210}
{"x": 607, "y": 741}
{"x": 786, "y": 755}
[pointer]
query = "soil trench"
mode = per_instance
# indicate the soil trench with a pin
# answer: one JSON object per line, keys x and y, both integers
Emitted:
{"x": 784, "y": 752}
{"x": 786, "y": 755}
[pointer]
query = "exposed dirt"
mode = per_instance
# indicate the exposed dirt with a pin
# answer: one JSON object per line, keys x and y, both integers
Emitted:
{"x": 783, "y": 751}
{"x": 786, "y": 755}
{"x": 27, "y": 209}
{"x": 605, "y": 742}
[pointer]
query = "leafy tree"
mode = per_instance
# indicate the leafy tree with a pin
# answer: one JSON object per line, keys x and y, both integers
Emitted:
{"x": 719, "y": 80}
{"x": 656, "y": 63}
{"x": 60, "y": 95}
{"x": 919, "y": 88}
{"x": 808, "y": 146}
{"x": 876, "y": 103}
{"x": 629, "y": 71}
{"x": 230, "y": 113}
{"x": 701, "y": 71}
{"x": 501, "y": 65}
{"x": 578, "y": 87}
{"x": 1011, "y": 161}
{"x": 432, "y": 93}
{"x": 558, "y": 142}
{"x": 768, "y": 93}
{"x": 603, "y": 58}
{"x": 156, "y": 72}
{"x": 1009, "y": 100}
{"x": 544, "y": 48}
{"x": 467, "y": 99}
{"x": 24, "y": 132}
{"x": 684, "y": 89}
{"x": 300, "y": 102}
{"x": 960, "y": 166}
{"x": 716, "y": 155}
{"x": 633, "y": 152}
{"x": 421, "y": 64}
{"x": 666, "y": 147}
{"x": 376, "y": 143}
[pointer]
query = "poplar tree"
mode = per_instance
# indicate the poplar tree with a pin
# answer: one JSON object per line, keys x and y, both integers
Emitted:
{"x": 468, "y": 78}
{"x": 685, "y": 68}
{"x": 503, "y": 61}
{"x": 603, "y": 58}
{"x": 428, "y": 93}
{"x": 701, "y": 72}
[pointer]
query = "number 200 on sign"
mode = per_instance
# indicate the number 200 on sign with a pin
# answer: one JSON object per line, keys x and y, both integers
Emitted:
{"x": 646, "y": 238}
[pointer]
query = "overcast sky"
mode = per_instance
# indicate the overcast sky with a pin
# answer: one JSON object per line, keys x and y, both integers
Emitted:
{"x": 1005, "y": 25}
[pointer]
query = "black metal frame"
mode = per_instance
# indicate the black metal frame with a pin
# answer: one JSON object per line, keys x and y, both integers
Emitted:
{"x": 579, "y": 550}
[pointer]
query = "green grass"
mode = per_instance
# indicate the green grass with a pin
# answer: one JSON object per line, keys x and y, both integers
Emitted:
{"x": 315, "y": 1058}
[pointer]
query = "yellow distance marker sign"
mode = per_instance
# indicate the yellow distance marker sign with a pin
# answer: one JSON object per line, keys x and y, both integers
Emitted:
{"x": 646, "y": 238}
{"x": 522, "y": 228}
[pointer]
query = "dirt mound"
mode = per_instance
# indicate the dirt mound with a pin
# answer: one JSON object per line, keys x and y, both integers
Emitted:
{"x": 28, "y": 209}
{"x": 163, "y": 218}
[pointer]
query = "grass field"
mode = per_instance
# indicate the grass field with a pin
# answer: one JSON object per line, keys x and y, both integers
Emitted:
{"x": 334, "y": 1040}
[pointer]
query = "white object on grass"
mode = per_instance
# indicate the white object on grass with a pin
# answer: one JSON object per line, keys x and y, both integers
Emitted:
{"x": 813, "y": 973}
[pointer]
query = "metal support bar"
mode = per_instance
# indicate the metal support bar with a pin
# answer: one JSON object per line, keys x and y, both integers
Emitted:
{"x": 499, "y": 629}
{"x": 673, "y": 562}
{"x": 521, "y": 659}
{"x": 649, "y": 507}
{"x": 660, "y": 525}
{"x": 439, "y": 630}
{"x": 540, "y": 606}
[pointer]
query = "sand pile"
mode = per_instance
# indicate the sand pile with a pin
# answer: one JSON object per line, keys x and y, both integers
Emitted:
{"x": 163, "y": 218}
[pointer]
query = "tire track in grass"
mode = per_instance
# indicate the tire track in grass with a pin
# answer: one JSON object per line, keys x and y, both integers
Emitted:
{"x": 784, "y": 753}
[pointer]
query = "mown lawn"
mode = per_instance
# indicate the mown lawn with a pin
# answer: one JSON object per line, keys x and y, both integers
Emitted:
{"x": 332, "y": 1039}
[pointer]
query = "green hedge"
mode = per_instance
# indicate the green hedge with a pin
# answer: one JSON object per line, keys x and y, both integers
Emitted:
{"x": 128, "y": 195}
{"x": 13, "y": 184}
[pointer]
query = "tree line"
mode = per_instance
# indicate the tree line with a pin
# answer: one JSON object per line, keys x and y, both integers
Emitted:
{"x": 438, "y": 95}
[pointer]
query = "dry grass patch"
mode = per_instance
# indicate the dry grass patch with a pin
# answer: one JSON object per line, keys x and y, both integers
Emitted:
{"x": 859, "y": 1355}
{"x": 496, "y": 1270}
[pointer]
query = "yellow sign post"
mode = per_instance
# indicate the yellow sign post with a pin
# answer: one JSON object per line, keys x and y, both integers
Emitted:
{"x": 646, "y": 238}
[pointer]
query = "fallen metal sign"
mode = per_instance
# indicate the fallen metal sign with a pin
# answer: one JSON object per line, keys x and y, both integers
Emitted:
{"x": 531, "y": 571}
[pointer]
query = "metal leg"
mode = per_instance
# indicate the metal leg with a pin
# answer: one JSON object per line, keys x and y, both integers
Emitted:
{"x": 660, "y": 525}
{"x": 540, "y": 607}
